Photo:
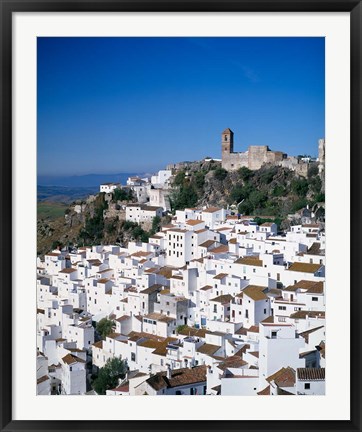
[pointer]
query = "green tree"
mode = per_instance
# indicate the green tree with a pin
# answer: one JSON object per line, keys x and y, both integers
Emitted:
{"x": 56, "y": 244}
{"x": 267, "y": 175}
{"x": 179, "y": 178}
{"x": 220, "y": 174}
{"x": 183, "y": 197}
{"x": 299, "y": 204}
{"x": 104, "y": 327}
{"x": 122, "y": 195}
{"x": 315, "y": 184}
{"x": 320, "y": 197}
{"x": 127, "y": 225}
{"x": 278, "y": 191}
{"x": 156, "y": 225}
{"x": 257, "y": 198}
{"x": 180, "y": 327}
{"x": 300, "y": 186}
{"x": 92, "y": 233}
{"x": 109, "y": 375}
{"x": 245, "y": 208}
{"x": 199, "y": 180}
{"x": 245, "y": 173}
{"x": 237, "y": 194}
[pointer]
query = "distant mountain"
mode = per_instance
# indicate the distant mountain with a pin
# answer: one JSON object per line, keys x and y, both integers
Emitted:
{"x": 64, "y": 194}
{"x": 89, "y": 180}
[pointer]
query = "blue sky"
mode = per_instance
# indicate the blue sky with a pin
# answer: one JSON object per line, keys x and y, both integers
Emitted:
{"x": 110, "y": 105}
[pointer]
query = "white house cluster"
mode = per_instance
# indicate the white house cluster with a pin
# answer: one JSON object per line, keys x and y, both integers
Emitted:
{"x": 213, "y": 304}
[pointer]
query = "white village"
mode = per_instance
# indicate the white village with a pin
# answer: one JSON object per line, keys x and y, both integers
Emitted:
{"x": 212, "y": 304}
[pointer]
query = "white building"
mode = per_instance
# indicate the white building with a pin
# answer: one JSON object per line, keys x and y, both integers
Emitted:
{"x": 161, "y": 177}
{"x": 73, "y": 375}
{"x": 140, "y": 214}
{"x": 109, "y": 187}
{"x": 310, "y": 381}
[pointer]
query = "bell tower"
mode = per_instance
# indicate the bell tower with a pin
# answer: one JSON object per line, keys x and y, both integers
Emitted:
{"x": 227, "y": 141}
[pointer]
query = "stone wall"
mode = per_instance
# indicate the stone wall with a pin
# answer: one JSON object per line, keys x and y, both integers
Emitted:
{"x": 257, "y": 156}
{"x": 254, "y": 158}
{"x": 234, "y": 161}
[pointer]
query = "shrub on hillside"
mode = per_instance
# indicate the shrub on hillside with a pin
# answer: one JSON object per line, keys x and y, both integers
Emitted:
{"x": 220, "y": 174}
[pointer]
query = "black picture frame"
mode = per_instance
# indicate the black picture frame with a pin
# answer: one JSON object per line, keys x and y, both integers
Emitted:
{"x": 7, "y": 8}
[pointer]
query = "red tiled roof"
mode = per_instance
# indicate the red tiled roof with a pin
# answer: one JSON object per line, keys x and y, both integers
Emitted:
{"x": 179, "y": 377}
{"x": 264, "y": 392}
{"x": 284, "y": 377}
{"x": 311, "y": 374}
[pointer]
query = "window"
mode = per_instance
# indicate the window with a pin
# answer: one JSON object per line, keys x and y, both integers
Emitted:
{"x": 307, "y": 386}
{"x": 281, "y": 319}
{"x": 282, "y": 307}
{"x": 246, "y": 313}
{"x": 215, "y": 308}
{"x": 133, "y": 356}
{"x": 264, "y": 311}
{"x": 273, "y": 334}
{"x": 314, "y": 298}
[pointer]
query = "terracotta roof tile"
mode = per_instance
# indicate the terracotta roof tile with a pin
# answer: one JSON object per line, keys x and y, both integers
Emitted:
{"x": 220, "y": 276}
{"x": 311, "y": 374}
{"x": 284, "y": 377}
{"x": 211, "y": 210}
{"x": 42, "y": 379}
{"x": 302, "y": 314}
{"x": 208, "y": 349}
{"x": 304, "y": 267}
{"x": 252, "y": 261}
{"x": 306, "y": 333}
{"x": 264, "y": 392}
{"x": 179, "y": 377}
{"x": 70, "y": 359}
{"x": 226, "y": 298}
{"x": 255, "y": 292}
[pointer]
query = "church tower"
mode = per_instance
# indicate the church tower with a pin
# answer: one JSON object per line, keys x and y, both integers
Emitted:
{"x": 227, "y": 141}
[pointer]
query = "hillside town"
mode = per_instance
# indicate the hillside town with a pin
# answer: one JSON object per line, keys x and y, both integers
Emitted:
{"x": 213, "y": 304}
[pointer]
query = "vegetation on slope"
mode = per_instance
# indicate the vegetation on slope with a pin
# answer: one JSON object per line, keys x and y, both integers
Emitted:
{"x": 270, "y": 193}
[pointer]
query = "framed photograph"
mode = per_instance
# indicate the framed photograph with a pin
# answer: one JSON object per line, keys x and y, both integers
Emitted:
{"x": 180, "y": 208}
